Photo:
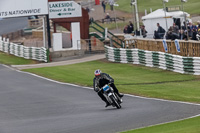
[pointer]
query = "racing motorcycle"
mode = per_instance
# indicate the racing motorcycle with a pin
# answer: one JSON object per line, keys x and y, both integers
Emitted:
{"x": 111, "y": 96}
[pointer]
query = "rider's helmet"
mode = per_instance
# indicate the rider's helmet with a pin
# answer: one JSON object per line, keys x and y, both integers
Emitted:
{"x": 97, "y": 72}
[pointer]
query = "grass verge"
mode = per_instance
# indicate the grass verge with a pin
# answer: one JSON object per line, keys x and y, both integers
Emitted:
{"x": 184, "y": 126}
{"x": 191, "y": 6}
{"x": 13, "y": 60}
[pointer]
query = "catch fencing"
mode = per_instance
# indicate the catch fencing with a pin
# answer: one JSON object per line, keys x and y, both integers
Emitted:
{"x": 176, "y": 63}
{"x": 35, "y": 53}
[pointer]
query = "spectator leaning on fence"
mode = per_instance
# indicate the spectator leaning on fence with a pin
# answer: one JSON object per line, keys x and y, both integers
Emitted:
{"x": 194, "y": 32}
{"x": 144, "y": 32}
{"x": 182, "y": 35}
{"x": 175, "y": 32}
{"x": 159, "y": 33}
{"x": 126, "y": 29}
{"x": 130, "y": 27}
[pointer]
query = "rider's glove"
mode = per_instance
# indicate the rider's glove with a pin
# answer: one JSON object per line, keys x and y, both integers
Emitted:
{"x": 112, "y": 81}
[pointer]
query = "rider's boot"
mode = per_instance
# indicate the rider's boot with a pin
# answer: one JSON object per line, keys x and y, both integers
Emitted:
{"x": 107, "y": 104}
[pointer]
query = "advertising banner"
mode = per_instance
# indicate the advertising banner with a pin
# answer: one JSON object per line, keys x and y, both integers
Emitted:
{"x": 64, "y": 9}
{"x": 165, "y": 45}
{"x": 177, "y": 45}
{"x": 19, "y": 8}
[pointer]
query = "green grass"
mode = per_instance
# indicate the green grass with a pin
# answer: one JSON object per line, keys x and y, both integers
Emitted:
{"x": 192, "y": 6}
{"x": 13, "y": 60}
{"x": 132, "y": 79}
{"x": 184, "y": 126}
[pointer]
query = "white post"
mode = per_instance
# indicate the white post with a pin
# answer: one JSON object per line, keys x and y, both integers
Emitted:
{"x": 106, "y": 32}
{"x": 185, "y": 18}
{"x": 44, "y": 32}
{"x": 165, "y": 13}
{"x": 76, "y": 35}
{"x": 137, "y": 17}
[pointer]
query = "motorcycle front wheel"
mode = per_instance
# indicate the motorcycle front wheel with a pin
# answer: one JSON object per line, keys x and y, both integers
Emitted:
{"x": 115, "y": 102}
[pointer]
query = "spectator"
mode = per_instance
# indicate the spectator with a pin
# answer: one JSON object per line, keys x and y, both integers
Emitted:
{"x": 88, "y": 9}
{"x": 91, "y": 20}
{"x": 144, "y": 32}
{"x": 169, "y": 33}
{"x": 190, "y": 29}
{"x": 107, "y": 16}
{"x": 198, "y": 24}
{"x": 159, "y": 33}
{"x": 130, "y": 27}
{"x": 194, "y": 33}
{"x": 175, "y": 32}
{"x": 182, "y": 35}
{"x": 126, "y": 29}
{"x": 184, "y": 26}
{"x": 111, "y": 2}
{"x": 103, "y": 3}
{"x": 194, "y": 27}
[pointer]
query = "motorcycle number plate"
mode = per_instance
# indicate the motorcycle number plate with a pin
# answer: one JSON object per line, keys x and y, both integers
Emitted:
{"x": 105, "y": 88}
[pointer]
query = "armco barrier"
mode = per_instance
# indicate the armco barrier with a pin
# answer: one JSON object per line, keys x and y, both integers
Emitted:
{"x": 35, "y": 53}
{"x": 176, "y": 63}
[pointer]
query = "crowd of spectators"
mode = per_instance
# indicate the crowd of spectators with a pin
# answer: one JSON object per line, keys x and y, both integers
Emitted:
{"x": 129, "y": 29}
{"x": 187, "y": 31}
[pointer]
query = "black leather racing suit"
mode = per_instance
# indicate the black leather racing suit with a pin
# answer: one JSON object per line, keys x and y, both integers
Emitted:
{"x": 100, "y": 81}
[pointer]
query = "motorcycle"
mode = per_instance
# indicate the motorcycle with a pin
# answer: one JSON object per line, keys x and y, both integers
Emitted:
{"x": 111, "y": 96}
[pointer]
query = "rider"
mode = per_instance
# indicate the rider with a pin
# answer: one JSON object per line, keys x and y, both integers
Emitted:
{"x": 99, "y": 81}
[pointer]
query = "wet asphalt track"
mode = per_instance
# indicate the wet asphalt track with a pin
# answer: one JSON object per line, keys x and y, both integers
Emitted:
{"x": 29, "y": 104}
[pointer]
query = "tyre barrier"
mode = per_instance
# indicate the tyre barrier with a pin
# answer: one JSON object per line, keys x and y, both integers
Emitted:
{"x": 176, "y": 63}
{"x": 35, "y": 53}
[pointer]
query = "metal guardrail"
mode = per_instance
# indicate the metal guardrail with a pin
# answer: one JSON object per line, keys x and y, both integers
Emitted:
{"x": 116, "y": 41}
{"x": 111, "y": 20}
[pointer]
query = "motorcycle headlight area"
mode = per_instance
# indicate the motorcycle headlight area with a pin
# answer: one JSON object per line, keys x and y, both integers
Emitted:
{"x": 105, "y": 88}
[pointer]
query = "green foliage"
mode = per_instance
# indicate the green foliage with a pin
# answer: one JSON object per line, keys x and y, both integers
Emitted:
{"x": 13, "y": 60}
